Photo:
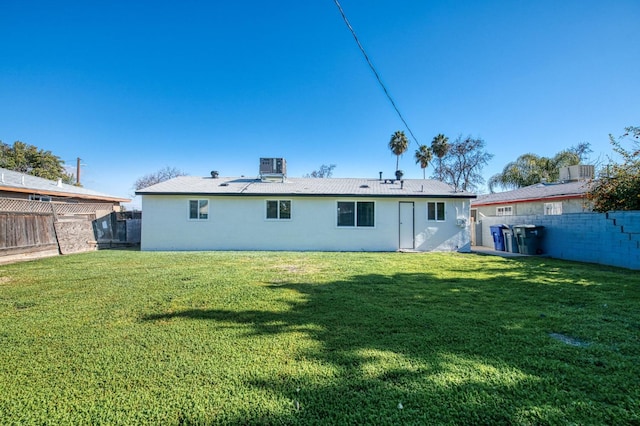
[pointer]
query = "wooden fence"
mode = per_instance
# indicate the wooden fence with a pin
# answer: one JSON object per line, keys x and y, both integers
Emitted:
{"x": 27, "y": 233}
{"x": 31, "y": 229}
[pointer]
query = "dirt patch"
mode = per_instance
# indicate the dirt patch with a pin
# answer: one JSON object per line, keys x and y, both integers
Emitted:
{"x": 569, "y": 340}
{"x": 294, "y": 269}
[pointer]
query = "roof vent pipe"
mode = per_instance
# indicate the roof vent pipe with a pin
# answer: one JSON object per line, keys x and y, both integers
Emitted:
{"x": 401, "y": 184}
{"x": 22, "y": 180}
{"x": 59, "y": 183}
{"x": 380, "y": 175}
{"x": 3, "y": 178}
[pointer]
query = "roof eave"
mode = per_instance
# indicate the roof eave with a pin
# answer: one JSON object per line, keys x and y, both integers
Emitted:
{"x": 299, "y": 194}
{"x": 64, "y": 194}
{"x": 531, "y": 200}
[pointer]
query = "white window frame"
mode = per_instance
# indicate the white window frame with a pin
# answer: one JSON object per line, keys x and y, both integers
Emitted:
{"x": 200, "y": 217}
{"x": 355, "y": 225}
{"x": 43, "y": 198}
{"x": 279, "y": 211}
{"x": 554, "y": 208}
{"x": 435, "y": 205}
{"x": 504, "y": 211}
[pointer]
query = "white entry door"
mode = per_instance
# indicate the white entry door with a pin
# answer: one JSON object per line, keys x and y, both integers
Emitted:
{"x": 406, "y": 225}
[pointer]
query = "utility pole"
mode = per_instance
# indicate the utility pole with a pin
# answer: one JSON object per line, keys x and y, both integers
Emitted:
{"x": 78, "y": 172}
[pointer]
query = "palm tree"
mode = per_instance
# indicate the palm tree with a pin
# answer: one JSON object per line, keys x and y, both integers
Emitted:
{"x": 529, "y": 169}
{"x": 398, "y": 145}
{"x": 423, "y": 156}
{"x": 440, "y": 147}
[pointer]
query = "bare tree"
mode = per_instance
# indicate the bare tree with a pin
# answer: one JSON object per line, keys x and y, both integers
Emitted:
{"x": 463, "y": 163}
{"x": 323, "y": 172}
{"x": 161, "y": 175}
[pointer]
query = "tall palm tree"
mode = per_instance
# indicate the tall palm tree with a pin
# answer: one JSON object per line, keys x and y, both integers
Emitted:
{"x": 440, "y": 148}
{"x": 398, "y": 145}
{"x": 423, "y": 156}
{"x": 529, "y": 169}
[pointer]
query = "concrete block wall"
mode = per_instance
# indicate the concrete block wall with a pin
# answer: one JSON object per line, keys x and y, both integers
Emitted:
{"x": 606, "y": 238}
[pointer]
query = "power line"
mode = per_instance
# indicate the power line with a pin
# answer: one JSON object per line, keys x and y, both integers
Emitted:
{"x": 366, "y": 57}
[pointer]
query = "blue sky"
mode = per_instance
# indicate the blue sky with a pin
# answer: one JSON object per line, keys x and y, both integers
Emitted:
{"x": 131, "y": 87}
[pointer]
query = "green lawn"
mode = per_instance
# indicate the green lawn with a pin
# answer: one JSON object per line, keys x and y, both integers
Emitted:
{"x": 124, "y": 337}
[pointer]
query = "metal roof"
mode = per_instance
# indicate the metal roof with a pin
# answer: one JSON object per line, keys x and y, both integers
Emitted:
{"x": 12, "y": 181}
{"x": 192, "y": 185}
{"x": 574, "y": 189}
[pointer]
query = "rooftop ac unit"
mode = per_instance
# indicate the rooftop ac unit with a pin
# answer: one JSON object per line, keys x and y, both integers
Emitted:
{"x": 273, "y": 166}
{"x": 577, "y": 172}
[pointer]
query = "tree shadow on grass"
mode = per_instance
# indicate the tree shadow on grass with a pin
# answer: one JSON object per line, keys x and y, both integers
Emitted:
{"x": 415, "y": 349}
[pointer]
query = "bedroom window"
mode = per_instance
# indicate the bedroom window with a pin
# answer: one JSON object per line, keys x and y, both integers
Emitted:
{"x": 278, "y": 209}
{"x": 356, "y": 214}
{"x": 435, "y": 211}
{"x": 504, "y": 211}
{"x": 552, "y": 208}
{"x": 198, "y": 209}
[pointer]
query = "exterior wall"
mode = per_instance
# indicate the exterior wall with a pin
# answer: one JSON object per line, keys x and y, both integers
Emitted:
{"x": 573, "y": 205}
{"x": 239, "y": 223}
{"x": 607, "y": 238}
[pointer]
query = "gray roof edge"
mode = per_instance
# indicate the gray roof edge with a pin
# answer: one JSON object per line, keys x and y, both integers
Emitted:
{"x": 23, "y": 182}
{"x": 309, "y": 195}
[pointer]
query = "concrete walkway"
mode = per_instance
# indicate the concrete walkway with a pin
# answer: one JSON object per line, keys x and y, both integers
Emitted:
{"x": 493, "y": 252}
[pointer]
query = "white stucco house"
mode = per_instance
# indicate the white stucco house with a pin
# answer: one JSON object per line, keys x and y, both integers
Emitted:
{"x": 280, "y": 213}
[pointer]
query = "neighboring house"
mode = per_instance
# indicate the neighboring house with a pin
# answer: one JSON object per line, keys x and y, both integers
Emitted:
{"x": 279, "y": 213}
{"x": 41, "y": 217}
{"x": 567, "y": 196}
{"x": 541, "y": 198}
{"x": 16, "y": 185}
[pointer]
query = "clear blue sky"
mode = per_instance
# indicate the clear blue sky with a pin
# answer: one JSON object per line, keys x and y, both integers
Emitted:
{"x": 133, "y": 86}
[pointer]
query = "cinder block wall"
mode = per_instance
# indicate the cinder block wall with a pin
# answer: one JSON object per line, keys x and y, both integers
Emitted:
{"x": 606, "y": 238}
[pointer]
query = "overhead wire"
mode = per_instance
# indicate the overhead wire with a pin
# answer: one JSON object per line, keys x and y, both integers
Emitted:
{"x": 375, "y": 72}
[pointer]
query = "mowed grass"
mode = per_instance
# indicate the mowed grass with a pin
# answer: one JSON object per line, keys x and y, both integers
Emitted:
{"x": 125, "y": 337}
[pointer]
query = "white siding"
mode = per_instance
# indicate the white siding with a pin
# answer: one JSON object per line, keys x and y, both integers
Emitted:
{"x": 239, "y": 223}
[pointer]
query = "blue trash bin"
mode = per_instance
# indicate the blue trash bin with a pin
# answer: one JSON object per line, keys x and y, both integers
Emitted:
{"x": 498, "y": 237}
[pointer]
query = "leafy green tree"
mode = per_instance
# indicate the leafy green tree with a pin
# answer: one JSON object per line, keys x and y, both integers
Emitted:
{"x": 161, "y": 175}
{"x": 463, "y": 163}
{"x": 618, "y": 185}
{"x": 398, "y": 145}
{"x": 440, "y": 147}
{"x": 529, "y": 169}
{"x": 323, "y": 172}
{"x": 423, "y": 156}
{"x": 31, "y": 160}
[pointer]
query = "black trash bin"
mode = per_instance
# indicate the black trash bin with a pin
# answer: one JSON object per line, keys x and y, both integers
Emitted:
{"x": 498, "y": 238}
{"x": 528, "y": 238}
{"x": 510, "y": 241}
